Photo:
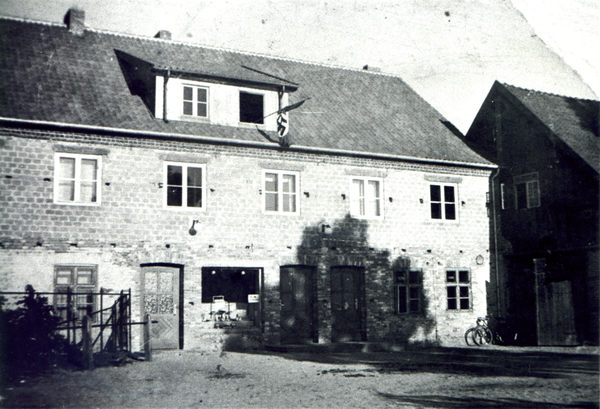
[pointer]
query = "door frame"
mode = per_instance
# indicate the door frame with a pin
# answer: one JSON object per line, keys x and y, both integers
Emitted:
{"x": 311, "y": 297}
{"x": 361, "y": 273}
{"x": 181, "y": 287}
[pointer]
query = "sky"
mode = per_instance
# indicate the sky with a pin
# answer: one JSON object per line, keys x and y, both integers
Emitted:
{"x": 448, "y": 51}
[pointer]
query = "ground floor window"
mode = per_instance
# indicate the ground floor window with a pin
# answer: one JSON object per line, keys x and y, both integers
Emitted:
{"x": 75, "y": 287}
{"x": 408, "y": 289}
{"x": 231, "y": 292}
{"x": 458, "y": 288}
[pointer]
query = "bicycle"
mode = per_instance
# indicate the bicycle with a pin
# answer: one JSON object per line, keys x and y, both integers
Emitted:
{"x": 480, "y": 334}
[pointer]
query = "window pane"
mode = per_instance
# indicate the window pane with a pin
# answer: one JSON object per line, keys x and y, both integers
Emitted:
{"x": 85, "y": 277}
{"x": 165, "y": 282}
{"x": 435, "y": 193}
{"x": 174, "y": 196}
{"x": 174, "y": 175}
{"x": 449, "y": 194}
{"x": 271, "y": 202}
{"x": 64, "y": 277}
{"x": 271, "y": 182}
{"x": 451, "y": 292}
{"x": 373, "y": 195}
{"x": 202, "y": 111}
{"x": 533, "y": 194}
{"x": 88, "y": 192}
{"x": 188, "y": 93}
{"x": 202, "y": 94}
{"x": 150, "y": 282}
{"x": 194, "y": 177}
{"x": 414, "y": 293}
{"x": 451, "y": 276}
{"x": 88, "y": 169}
{"x": 402, "y": 301}
{"x": 358, "y": 197}
{"x": 66, "y": 191}
{"x": 436, "y": 210}
{"x": 67, "y": 168}
{"x": 400, "y": 277}
{"x": 464, "y": 291}
{"x": 463, "y": 276}
{"x": 450, "y": 211}
{"x": 414, "y": 277}
{"x": 464, "y": 304}
{"x": 414, "y": 306}
{"x": 194, "y": 197}
{"x": 289, "y": 203}
{"x": 289, "y": 183}
{"x": 451, "y": 304}
{"x": 521, "y": 192}
{"x": 188, "y": 108}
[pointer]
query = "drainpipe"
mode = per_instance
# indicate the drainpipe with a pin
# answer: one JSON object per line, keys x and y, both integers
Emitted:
{"x": 165, "y": 95}
{"x": 500, "y": 311}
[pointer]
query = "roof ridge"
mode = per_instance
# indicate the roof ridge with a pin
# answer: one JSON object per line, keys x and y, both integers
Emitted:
{"x": 548, "y": 93}
{"x": 195, "y": 45}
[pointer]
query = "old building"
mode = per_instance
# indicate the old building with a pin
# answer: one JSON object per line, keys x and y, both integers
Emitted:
{"x": 545, "y": 213}
{"x": 158, "y": 166}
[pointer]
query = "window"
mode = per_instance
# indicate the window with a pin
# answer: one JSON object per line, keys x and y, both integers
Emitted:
{"x": 408, "y": 287}
{"x": 527, "y": 191}
{"x": 195, "y": 101}
{"x": 81, "y": 282}
{"x": 251, "y": 108}
{"x": 365, "y": 198}
{"x": 443, "y": 202}
{"x": 77, "y": 179}
{"x": 280, "y": 192}
{"x": 458, "y": 285}
{"x": 185, "y": 185}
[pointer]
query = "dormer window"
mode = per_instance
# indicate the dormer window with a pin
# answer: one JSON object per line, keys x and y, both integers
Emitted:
{"x": 251, "y": 108}
{"x": 195, "y": 101}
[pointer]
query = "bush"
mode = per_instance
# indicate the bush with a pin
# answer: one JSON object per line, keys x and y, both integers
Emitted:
{"x": 30, "y": 342}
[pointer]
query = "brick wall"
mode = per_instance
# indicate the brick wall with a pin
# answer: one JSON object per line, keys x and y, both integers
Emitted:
{"x": 131, "y": 227}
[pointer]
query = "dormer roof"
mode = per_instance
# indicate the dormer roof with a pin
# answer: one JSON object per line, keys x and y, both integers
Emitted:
{"x": 49, "y": 74}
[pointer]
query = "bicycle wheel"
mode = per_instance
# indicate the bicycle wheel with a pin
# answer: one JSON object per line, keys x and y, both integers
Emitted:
{"x": 470, "y": 337}
{"x": 482, "y": 336}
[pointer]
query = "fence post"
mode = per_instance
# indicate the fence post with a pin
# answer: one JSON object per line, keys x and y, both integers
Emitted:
{"x": 88, "y": 356}
{"x": 147, "y": 341}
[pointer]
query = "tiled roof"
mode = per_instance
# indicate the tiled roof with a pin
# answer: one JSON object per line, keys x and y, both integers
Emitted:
{"x": 50, "y": 74}
{"x": 575, "y": 121}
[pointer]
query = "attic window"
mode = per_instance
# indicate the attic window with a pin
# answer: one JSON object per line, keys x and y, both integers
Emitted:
{"x": 251, "y": 108}
{"x": 195, "y": 101}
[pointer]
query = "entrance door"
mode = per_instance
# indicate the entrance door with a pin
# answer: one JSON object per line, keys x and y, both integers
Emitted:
{"x": 347, "y": 303}
{"x": 161, "y": 301}
{"x": 296, "y": 305}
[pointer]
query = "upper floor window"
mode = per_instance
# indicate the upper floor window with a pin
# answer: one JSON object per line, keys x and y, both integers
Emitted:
{"x": 77, "y": 179}
{"x": 458, "y": 289}
{"x": 251, "y": 108}
{"x": 442, "y": 199}
{"x": 527, "y": 191}
{"x": 185, "y": 185}
{"x": 365, "y": 197}
{"x": 195, "y": 101}
{"x": 280, "y": 191}
{"x": 408, "y": 291}
{"x": 75, "y": 286}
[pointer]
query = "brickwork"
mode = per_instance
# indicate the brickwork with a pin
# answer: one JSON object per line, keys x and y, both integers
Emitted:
{"x": 131, "y": 227}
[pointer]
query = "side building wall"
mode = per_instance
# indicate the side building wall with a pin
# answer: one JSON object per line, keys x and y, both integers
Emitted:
{"x": 132, "y": 228}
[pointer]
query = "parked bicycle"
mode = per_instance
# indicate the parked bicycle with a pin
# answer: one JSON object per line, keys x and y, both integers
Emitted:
{"x": 480, "y": 334}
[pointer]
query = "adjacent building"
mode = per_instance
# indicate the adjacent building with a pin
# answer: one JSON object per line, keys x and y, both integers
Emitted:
{"x": 545, "y": 212}
{"x": 235, "y": 192}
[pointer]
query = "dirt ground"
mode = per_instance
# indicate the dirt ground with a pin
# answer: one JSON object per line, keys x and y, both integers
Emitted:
{"x": 435, "y": 378}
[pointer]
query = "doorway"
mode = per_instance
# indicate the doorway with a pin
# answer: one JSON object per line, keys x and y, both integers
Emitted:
{"x": 347, "y": 304}
{"x": 298, "y": 323}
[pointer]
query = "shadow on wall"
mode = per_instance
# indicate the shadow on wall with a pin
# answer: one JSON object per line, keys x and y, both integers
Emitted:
{"x": 393, "y": 306}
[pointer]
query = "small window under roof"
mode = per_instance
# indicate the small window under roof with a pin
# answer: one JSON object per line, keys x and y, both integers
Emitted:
{"x": 251, "y": 108}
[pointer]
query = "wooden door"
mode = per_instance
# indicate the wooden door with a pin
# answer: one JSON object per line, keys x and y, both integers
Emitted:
{"x": 347, "y": 304}
{"x": 296, "y": 305}
{"x": 161, "y": 301}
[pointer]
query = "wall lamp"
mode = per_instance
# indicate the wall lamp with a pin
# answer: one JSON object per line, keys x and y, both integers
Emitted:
{"x": 326, "y": 229}
{"x": 192, "y": 230}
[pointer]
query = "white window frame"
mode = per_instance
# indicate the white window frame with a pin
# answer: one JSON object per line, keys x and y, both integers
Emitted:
{"x": 442, "y": 202}
{"x": 77, "y": 179}
{"x": 195, "y": 101}
{"x": 184, "y": 186}
{"x": 280, "y": 193}
{"x": 457, "y": 284}
{"x": 355, "y": 202}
